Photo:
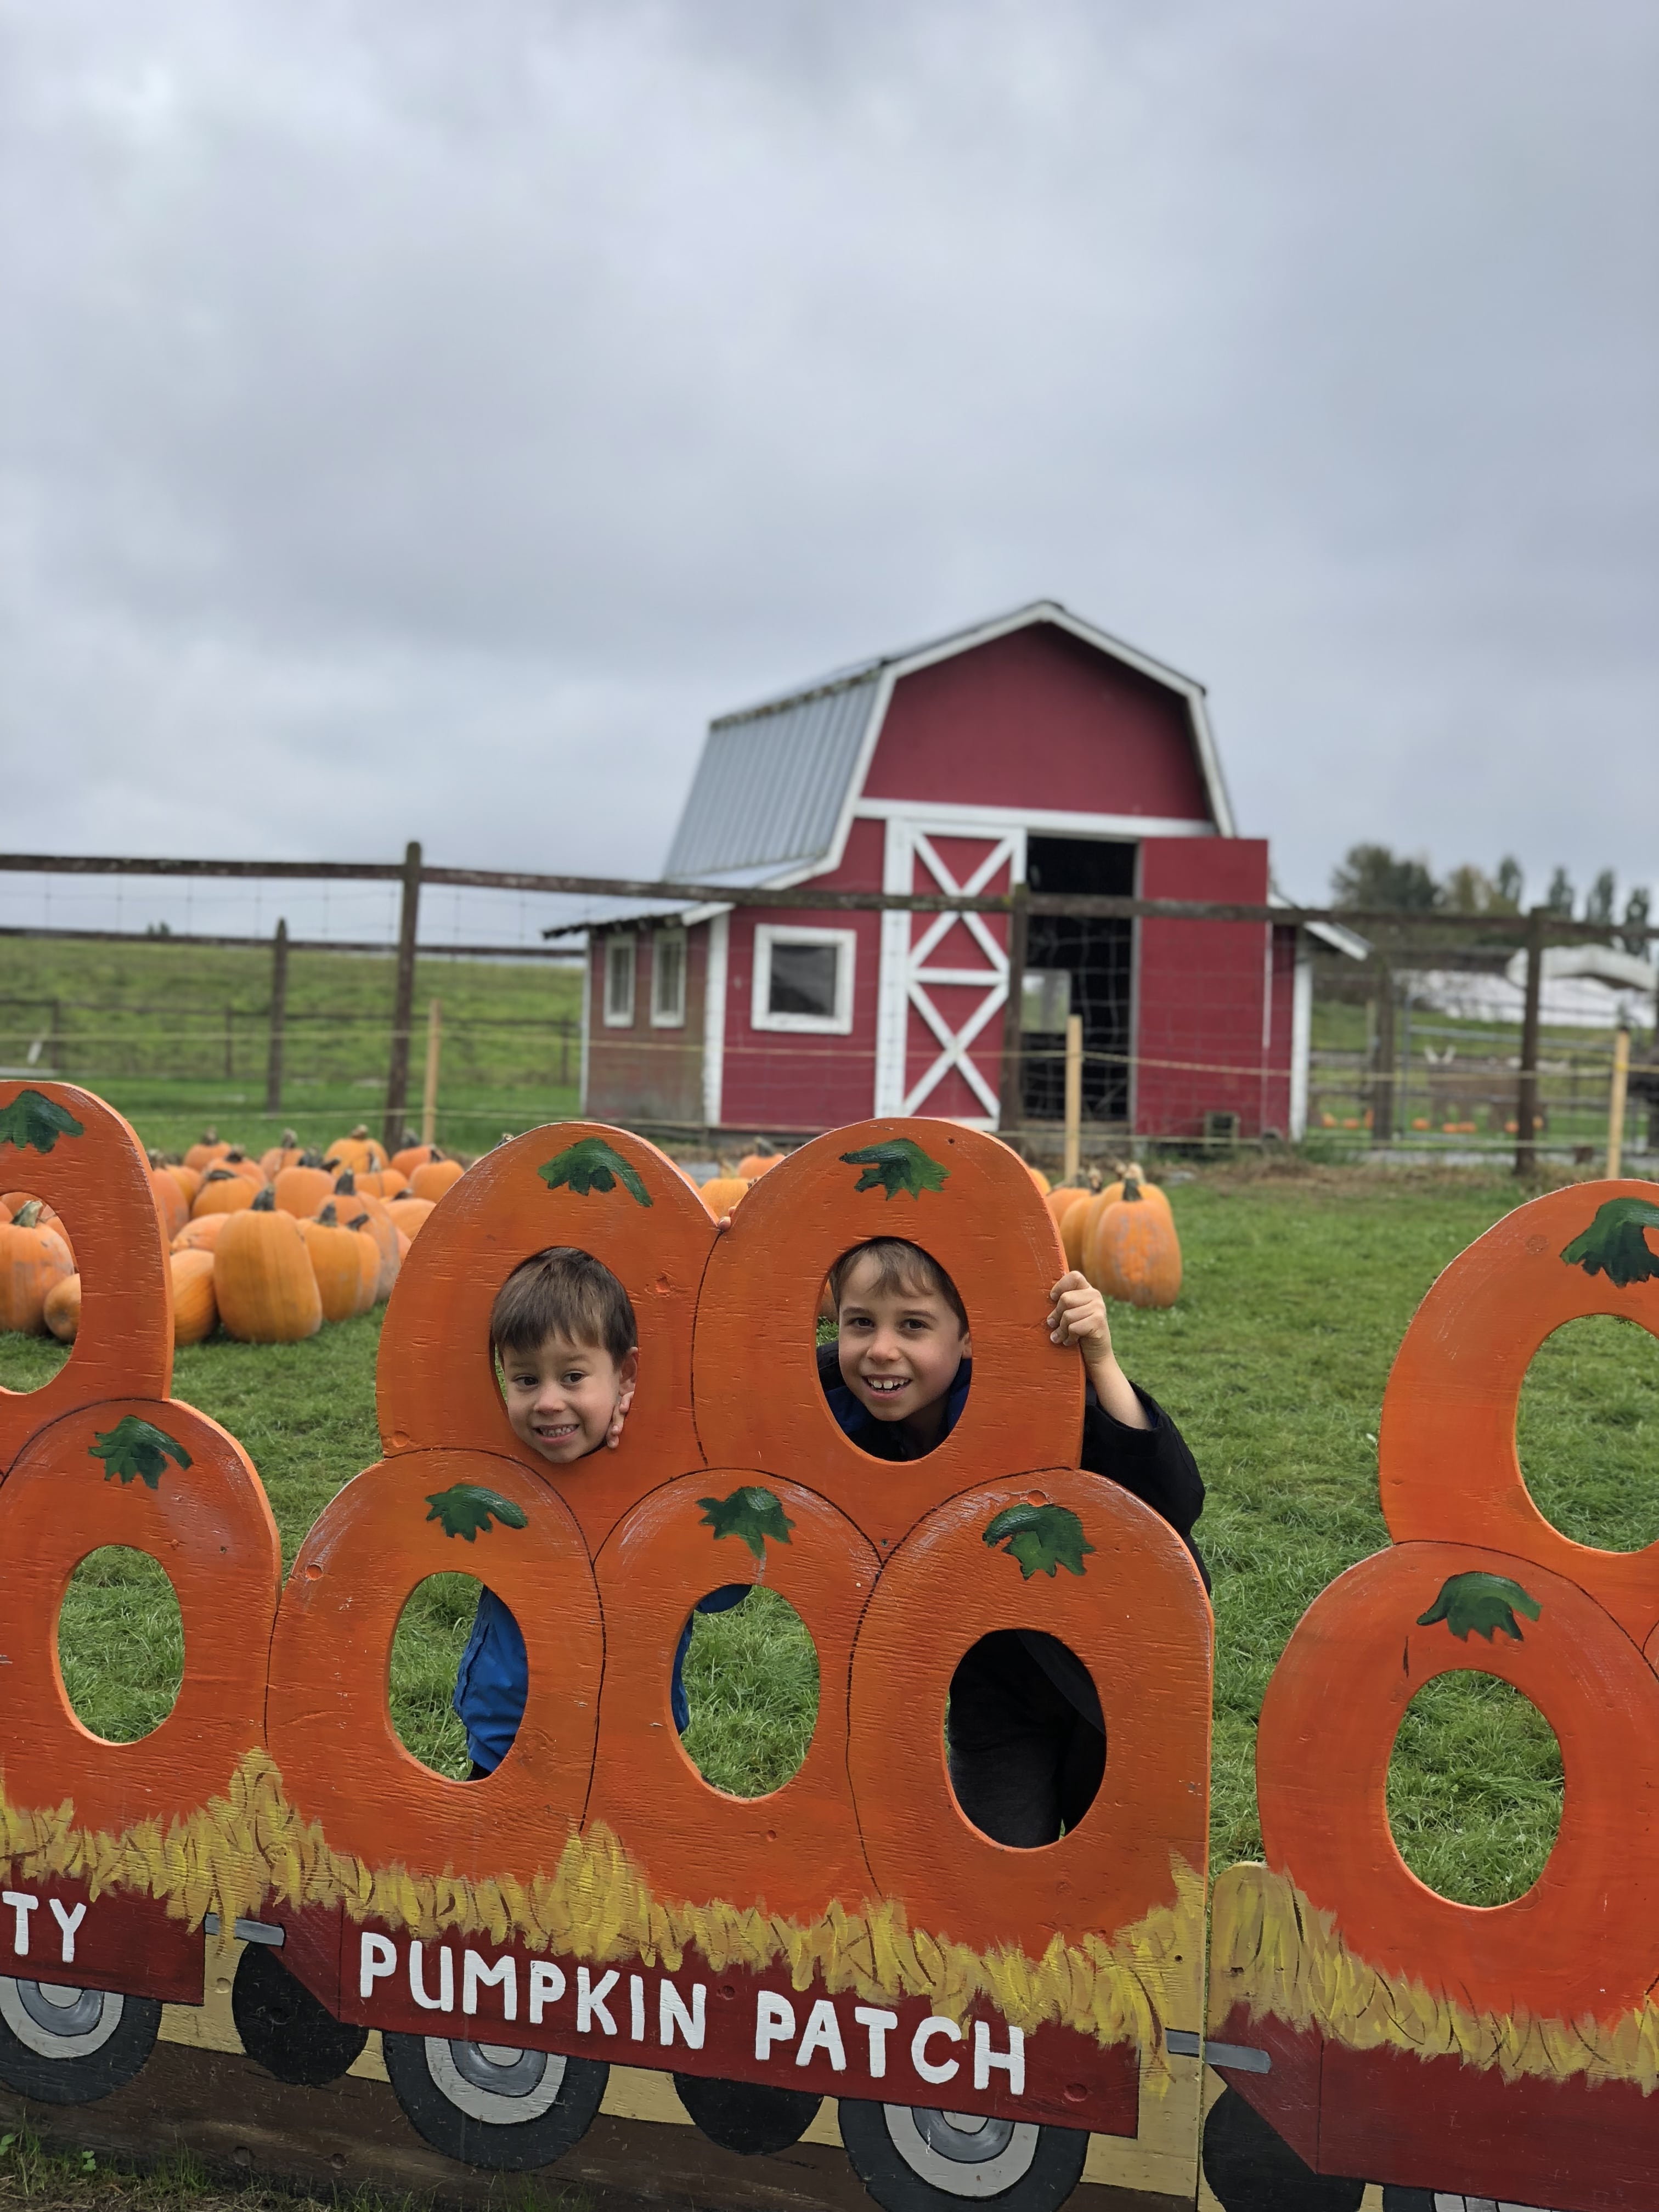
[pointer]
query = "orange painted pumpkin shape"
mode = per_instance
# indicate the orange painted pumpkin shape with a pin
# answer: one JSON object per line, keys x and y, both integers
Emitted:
{"x": 82, "y": 1157}
{"x": 578, "y": 1183}
{"x": 331, "y": 1729}
{"x": 967, "y": 1200}
{"x": 1116, "y": 1585}
{"x": 1455, "y": 1387}
{"x": 797, "y": 1847}
{"x": 163, "y": 1479}
{"x": 1584, "y": 1939}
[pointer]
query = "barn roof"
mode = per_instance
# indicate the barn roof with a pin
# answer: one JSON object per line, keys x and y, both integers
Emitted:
{"x": 776, "y": 782}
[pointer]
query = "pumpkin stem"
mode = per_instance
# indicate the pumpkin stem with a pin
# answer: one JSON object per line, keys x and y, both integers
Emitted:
{"x": 328, "y": 1218}
{"x": 209, "y": 1136}
{"x": 359, "y": 1132}
{"x": 28, "y": 1216}
{"x": 265, "y": 1200}
{"x": 346, "y": 1185}
{"x": 311, "y": 1157}
{"x": 289, "y": 1138}
{"x": 1131, "y": 1192}
{"x": 220, "y": 1175}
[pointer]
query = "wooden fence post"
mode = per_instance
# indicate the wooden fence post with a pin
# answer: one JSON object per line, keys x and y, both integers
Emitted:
{"x": 1011, "y": 1103}
{"x": 1382, "y": 1115}
{"x": 1073, "y": 1096}
{"x": 1526, "y": 1089}
{"x": 278, "y": 1017}
{"x": 1616, "y": 1096}
{"x": 403, "y": 1005}
{"x": 434, "y": 1027}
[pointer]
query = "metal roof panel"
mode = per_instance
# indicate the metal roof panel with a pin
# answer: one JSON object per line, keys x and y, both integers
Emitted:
{"x": 770, "y": 788}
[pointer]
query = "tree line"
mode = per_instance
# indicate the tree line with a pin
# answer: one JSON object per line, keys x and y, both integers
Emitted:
{"x": 1375, "y": 878}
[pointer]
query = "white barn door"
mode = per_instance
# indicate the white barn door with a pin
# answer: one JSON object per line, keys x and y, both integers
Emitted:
{"x": 945, "y": 976}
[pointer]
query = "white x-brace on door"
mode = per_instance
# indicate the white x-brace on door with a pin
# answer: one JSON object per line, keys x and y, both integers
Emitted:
{"x": 920, "y": 1043}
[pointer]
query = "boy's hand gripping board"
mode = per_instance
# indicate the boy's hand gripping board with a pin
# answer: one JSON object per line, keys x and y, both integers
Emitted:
{"x": 850, "y": 1934}
{"x": 1509, "y": 2052}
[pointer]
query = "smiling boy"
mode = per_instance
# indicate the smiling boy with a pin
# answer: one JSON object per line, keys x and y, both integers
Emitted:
{"x": 562, "y": 1332}
{"x": 1026, "y": 1737}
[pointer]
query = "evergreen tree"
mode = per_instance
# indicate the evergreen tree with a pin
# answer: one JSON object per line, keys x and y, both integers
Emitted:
{"x": 1509, "y": 883}
{"x": 1373, "y": 877}
{"x": 1637, "y": 917}
{"x": 1559, "y": 898}
{"x": 1598, "y": 907}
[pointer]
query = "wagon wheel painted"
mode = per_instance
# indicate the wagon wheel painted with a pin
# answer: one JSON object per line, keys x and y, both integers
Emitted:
{"x": 284, "y": 2028}
{"x": 749, "y": 2118}
{"x": 489, "y": 2104}
{"x": 70, "y": 2046}
{"x": 1252, "y": 2169}
{"x": 913, "y": 2159}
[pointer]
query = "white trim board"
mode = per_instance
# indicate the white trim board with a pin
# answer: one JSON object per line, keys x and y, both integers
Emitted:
{"x": 940, "y": 814}
{"x": 714, "y": 1018}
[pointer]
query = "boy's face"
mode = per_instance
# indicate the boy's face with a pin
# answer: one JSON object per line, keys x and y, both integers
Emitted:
{"x": 565, "y": 1399}
{"x": 899, "y": 1349}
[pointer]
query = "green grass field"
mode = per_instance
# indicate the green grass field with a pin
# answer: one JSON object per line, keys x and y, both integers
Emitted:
{"x": 177, "y": 1036}
{"x": 1298, "y": 1289}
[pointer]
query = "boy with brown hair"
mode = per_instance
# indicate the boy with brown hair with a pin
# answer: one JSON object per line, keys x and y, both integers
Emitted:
{"x": 1025, "y": 1738}
{"x": 562, "y": 1332}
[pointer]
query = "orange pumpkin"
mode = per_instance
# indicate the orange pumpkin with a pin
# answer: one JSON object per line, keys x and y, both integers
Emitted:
{"x": 755, "y": 1164}
{"x": 410, "y": 1213}
{"x": 379, "y": 1227}
{"x": 171, "y": 1206}
{"x": 413, "y": 1156}
{"x": 302, "y": 1187}
{"x": 1078, "y": 1226}
{"x": 1137, "y": 1252}
{"x": 1040, "y": 1180}
{"x": 62, "y": 1310}
{"x": 359, "y": 1150}
{"x": 223, "y": 1191}
{"x": 285, "y": 1153}
{"x": 435, "y": 1178}
{"x": 189, "y": 1180}
{"x": 208, "y": 1148}
{"x": 245, "y": 1164}
{"x": 202, "y": 1234}
{"x": 721, "y": 1192}
{"x": 1060, "y": 1203}
{"x": 376, "y": 1183}
{"x": 33, "y": 1258}
{"x": 195, "y": 1308}
{"x": 261, "y": 1277}
{"x": 345, "y": 1261}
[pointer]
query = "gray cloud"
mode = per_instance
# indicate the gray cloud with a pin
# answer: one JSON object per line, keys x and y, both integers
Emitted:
{"x": 416, "y": 423}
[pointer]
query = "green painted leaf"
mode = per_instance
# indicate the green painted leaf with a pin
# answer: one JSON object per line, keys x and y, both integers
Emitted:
{"x": 752, "y": 1513}
{"x": 1041, "y": 1537}
{"x": 593, "y": 1165}
{"x": 135, "y": 1447}
{"x": 898, "y": 1164}
{"x": 1613, "y": 1244}
{"x": 35, "y": 1121}
{"x": 1482, "y": 1602}
{"x": 465, "y": 1509}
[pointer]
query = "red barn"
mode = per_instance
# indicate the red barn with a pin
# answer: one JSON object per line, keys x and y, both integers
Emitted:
{"x": 1033, "y": 749}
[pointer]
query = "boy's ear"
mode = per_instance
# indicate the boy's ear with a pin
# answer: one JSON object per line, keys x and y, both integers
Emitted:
{"x": 627, "y": 1377}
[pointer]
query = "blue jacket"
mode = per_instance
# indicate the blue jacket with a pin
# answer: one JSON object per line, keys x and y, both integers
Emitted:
{"x": 494, "y": 1673}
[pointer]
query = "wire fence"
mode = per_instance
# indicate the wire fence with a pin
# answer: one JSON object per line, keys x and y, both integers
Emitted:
{"x": 1141, "y": 1023}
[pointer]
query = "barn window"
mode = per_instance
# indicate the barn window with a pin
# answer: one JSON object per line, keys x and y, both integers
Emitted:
{"x": 803, "y": 979}
{"x": 668, "y": 980}
{"x": 619, "y": 982}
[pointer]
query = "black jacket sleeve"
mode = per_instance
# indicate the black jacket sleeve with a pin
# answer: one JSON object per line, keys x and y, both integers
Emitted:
{"x": 1154, "y": 1463}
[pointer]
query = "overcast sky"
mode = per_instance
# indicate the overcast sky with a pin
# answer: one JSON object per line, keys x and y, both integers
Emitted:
{"x": 417, "y": 420}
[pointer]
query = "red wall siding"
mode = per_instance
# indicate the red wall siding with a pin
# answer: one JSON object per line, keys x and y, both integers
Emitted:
{"x": 646, "y": 1075}
{"x": 776, "y": 1079}
{"x": 1200, "y": 988}
{"x": 1039, "y": 718}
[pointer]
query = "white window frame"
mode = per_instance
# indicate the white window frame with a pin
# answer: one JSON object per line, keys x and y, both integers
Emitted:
{"x": 622, "y": 941}
{"x": 670, "y": 1017}
{"x": 839, "y": 1023}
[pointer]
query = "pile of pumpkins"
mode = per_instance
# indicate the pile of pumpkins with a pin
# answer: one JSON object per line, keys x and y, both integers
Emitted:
{"x": 268, "y": 1247}
{"x": 724, "y": 1191}
{"x": 1121, "y": 1236}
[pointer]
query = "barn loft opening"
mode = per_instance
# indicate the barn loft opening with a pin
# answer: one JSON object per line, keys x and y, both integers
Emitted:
{"x": 1078, "y": 965}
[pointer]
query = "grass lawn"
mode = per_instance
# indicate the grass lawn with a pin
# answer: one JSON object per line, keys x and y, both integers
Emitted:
{"x": 1298, "y": 1289}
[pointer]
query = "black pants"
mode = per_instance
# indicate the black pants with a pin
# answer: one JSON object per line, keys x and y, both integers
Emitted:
{"x": 1025, "y": 1763}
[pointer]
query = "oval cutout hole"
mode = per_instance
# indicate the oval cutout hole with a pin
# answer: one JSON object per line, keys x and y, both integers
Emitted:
{"x": 120, "y": 1643}
{"x": 1474, "y": 1789}
{"x": 751, "y": 1684}
{"x": 1025, "y": 1744}
{"x": 892, "y": 1332}
{"x": 431, "y": 1636}
{"x": 1587, "y": 1431}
